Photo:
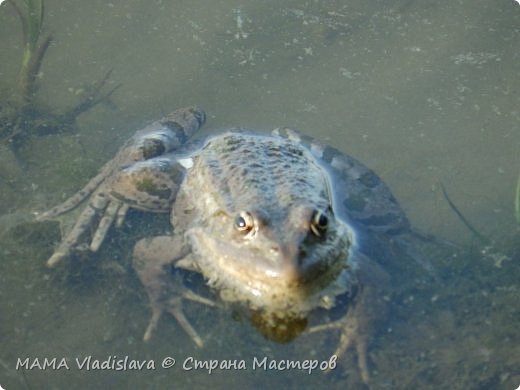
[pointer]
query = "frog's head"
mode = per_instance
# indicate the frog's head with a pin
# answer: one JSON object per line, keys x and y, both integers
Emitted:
{"x": 275, "y": 261}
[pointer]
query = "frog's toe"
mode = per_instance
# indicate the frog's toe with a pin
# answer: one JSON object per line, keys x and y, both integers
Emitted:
{"x": 152, "y": 324}
{"x": 56, "y": 257}
{"x": 175, "y": 309}
{"x": 351, "y": 335}
{"x": 191, "y": 296}
{"x": 109, "y": 215}
{"x": 121, "y": 214}
{"x": 83, "y": 223}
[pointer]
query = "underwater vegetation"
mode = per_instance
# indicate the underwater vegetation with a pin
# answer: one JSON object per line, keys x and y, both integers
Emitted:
{"x": 517, "y": 201}
{"x": 21, "y": 115}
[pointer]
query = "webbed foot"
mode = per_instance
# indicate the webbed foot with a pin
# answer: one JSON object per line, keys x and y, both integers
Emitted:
{"x": 353, "y": 332}
{"x": 174, "y": 307}
{"x": 152, "y": 259}
{"x": 366, "y": 307}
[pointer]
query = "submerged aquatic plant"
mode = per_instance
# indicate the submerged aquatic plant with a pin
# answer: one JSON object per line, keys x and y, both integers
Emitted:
{"x": 31, "y": 18}
{"x": 517, "y": 200}
{"x": 21, "y": 116}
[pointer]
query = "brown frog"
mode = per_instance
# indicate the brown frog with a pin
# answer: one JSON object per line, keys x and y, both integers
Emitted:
{"x": 276, "y": 223}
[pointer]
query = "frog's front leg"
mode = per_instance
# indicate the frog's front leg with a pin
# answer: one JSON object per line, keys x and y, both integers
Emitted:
{"x": 355, "y": 328}
{"x": 153, "y": 259}
{"x": 107, "y": 197}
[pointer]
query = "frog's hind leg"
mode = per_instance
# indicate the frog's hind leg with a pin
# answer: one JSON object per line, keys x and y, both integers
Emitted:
{"x": 76, "y": 199}
{"x": 159, "y": 138}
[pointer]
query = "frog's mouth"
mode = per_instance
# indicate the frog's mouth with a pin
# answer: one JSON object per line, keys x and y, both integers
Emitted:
{"x": 268, "y": 280}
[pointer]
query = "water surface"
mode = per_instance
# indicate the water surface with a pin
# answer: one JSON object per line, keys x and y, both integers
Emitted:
{"x": 422, "y": 92}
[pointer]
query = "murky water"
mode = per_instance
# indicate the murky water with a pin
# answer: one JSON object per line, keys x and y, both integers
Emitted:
{"x": 422, "y": 92}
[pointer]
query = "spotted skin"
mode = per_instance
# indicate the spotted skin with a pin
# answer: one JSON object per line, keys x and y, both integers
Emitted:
{"x": 278, "y": 223}
{"x": 160, "y": 137}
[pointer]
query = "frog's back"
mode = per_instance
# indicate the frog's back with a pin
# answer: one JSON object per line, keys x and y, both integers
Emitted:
{"x": 272, "y": 173}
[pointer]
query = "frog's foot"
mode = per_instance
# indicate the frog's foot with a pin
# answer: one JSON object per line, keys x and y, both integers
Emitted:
{"x": 153, "y": 258}
{"x": 146, "y": 185}
{"x": 352, "y": 334}
{"x": 357, "y": 324}
{"x": 101, "y": 207}
{"x": 174, "y": 307}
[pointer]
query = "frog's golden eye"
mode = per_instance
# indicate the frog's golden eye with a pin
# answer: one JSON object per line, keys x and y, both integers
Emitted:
{"x": 244, "y": 222}
{"x": 319, "y": 223}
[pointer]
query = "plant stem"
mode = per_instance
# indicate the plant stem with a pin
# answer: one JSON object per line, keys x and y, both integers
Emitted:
{"x": 32, "y": 19}
{"x": 517, "y": 200}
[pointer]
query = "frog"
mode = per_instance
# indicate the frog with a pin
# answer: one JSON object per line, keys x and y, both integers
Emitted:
{"x": 276, "y": 223}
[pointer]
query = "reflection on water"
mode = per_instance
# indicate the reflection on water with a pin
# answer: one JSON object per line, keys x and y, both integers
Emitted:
{"x": 421, "y": 92}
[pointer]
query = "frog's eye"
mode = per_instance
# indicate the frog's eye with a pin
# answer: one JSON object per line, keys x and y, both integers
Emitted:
{"x": 244, "y": 222}
{"x": 319, "y": 223}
